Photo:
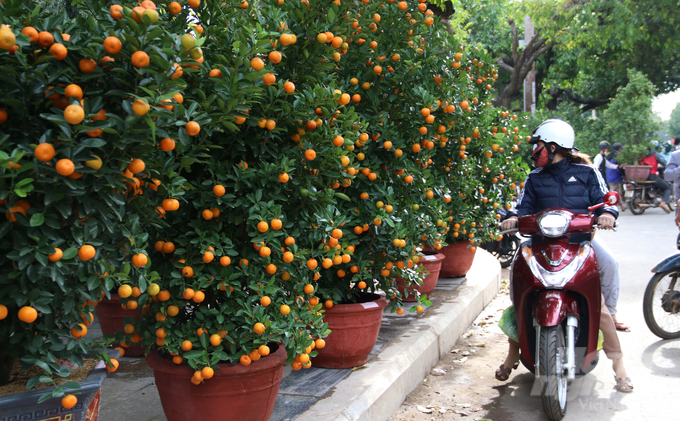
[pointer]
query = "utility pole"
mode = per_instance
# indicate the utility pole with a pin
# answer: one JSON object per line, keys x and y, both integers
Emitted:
{"x": 530, "y": 79}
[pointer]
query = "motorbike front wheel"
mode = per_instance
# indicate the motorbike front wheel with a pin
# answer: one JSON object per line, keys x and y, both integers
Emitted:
{"x": 553, "y": 374}
{"x": 661, "y": 305}
{"x": 635, "y": 202}
{"x": 506, "y": 250}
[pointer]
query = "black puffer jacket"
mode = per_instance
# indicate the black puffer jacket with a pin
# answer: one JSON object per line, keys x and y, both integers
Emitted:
{"x": 563, "y": 185}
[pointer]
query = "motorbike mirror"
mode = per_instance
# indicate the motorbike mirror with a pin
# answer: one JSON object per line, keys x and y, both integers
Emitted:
{"x": 612, "y": 198}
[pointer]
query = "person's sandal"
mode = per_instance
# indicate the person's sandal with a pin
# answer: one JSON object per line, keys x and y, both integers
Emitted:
{"x": 624, "y": 385}
{"x": 503, "y": 373}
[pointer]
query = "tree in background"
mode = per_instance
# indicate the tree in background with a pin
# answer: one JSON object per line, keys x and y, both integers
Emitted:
{"x": 674, "y": 123}
{"x": 662, "y": 133}
{"x": 582, "y": 50}
{"x": 628, "y": 119}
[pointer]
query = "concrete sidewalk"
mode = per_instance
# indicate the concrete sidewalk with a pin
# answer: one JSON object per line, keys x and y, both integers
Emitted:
{"x": 408, "y": 347}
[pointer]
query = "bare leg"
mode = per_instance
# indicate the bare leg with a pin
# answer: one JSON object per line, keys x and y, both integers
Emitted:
{"x": 511, "y": 361}
{"x": 513, "y": 354}
{"x": 612, "y": 347}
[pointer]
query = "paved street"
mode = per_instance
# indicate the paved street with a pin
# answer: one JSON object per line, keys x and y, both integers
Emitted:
{"x": 653, "y": 364}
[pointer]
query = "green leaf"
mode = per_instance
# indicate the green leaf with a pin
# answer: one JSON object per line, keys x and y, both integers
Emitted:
{"x": 37, "y": 220}
{"x": 192, "y": 355}
{"x": 70, "y": 253}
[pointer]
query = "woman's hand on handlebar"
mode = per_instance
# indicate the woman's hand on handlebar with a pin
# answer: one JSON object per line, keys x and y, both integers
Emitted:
{"x": 509, "y": 224}
{"x": 606, "y": 221}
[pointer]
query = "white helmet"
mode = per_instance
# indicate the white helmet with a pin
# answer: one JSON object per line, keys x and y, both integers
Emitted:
{"x": 555, "y": 131}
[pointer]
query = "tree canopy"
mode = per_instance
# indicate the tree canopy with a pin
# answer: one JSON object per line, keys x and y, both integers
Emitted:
{"x": 582, "y": 49}
{"x": 674, "y": 122}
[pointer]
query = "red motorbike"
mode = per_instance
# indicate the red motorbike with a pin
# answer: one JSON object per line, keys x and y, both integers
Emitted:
{"x": 556, "y": 291}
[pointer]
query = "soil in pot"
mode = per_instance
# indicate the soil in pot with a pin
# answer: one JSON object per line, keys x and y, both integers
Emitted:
{"x": 354, "y": 332}
{"x": 19, "y": 378}
{"x": 432, "y": 263}
{"x": 234, "y": 393}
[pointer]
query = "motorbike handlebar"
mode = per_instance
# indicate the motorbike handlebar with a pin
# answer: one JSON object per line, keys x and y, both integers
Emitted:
{"x": 514, "y": 230}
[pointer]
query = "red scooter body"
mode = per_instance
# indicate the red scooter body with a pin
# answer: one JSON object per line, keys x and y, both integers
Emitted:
{"x": 571, "y": 285}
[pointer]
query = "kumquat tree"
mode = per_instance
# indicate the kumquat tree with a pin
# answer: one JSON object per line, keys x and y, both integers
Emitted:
{"x": 232, "y": 169}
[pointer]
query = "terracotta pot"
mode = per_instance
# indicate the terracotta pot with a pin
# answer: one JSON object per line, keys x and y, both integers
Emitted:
{"x": 458, "y": 260}
{"x": 637, "y": 172}
{"x": 238, "y": 393}
{"x": 111, "y": 318}
{"x": 432, "y": 264}
{"x": 354, "y": 331}
{"x": 25, "y": 406}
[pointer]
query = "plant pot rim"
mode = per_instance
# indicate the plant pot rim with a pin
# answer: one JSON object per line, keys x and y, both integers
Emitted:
{"x": 379, "y": 302}
{"x": 92, "y": 383}
{"x": 438, "y": 256}
{"x": 278, "y": 357}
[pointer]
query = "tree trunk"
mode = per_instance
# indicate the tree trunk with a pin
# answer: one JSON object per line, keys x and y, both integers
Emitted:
{"x": 521, "y": 63}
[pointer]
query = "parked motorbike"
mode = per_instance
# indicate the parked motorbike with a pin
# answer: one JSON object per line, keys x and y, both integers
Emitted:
{"x": 641, "y": 195}
{"x": 556, "y": 292}
{"x": 504, "y": 249}
{"x": 661, "y": 302}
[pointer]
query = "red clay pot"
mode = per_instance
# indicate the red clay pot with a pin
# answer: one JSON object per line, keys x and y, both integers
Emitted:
{"x": 234, "y": 393}
{"x": 432, "y": 264}
{"x": 111, "y": 318}
{"x": 458, "y": 260}
{"x": 355, "y": 329}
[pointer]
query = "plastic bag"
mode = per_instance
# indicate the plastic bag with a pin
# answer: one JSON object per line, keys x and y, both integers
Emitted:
{"x": 600, "y": 340}
{"x": 508, "y": 324}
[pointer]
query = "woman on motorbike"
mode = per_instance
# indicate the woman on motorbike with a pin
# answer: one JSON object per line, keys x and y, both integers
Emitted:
{"x": 562, "y": 180}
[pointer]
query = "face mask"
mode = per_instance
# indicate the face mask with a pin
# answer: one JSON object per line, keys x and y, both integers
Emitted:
{"x": 540, "y": 157}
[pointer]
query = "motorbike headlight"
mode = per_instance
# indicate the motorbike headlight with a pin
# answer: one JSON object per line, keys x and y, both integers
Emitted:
{"x": 560, "y": 278}
{"x": 554, "y": 224}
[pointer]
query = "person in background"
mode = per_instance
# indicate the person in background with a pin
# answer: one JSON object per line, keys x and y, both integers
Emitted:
{"x": 672, "y": 174}
{"x": 659, "y": 183}
{"x": 601, "y": 163}
{"x": 615, "y": 175}
{"x": 664, "y": 152}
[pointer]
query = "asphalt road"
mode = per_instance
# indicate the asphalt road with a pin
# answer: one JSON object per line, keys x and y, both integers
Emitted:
{"x": 653, "y": 364}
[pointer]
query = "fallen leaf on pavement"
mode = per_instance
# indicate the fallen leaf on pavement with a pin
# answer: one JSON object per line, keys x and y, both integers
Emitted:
{"x": 358, "y": 368}
{"x": 423, "y": 409}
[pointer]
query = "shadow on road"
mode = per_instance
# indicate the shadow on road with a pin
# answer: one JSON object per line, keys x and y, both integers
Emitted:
{"x": 520, "y": 399}
{"x": 662, "y": 358}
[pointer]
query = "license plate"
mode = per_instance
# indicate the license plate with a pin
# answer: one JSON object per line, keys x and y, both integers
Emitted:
{"x": 628, "y": 193}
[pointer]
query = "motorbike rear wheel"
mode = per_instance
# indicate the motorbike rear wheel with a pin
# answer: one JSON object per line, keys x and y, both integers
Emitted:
{"x": 661, "y": 305}
{"x": 635, "y": 202}
{"x": 553, "y": 374}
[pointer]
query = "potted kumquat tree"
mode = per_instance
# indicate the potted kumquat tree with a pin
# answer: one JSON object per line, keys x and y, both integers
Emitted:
{"x": 234, "y": 175}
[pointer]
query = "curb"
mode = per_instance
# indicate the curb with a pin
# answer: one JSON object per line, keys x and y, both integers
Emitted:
{"x": 376, "y": 392}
